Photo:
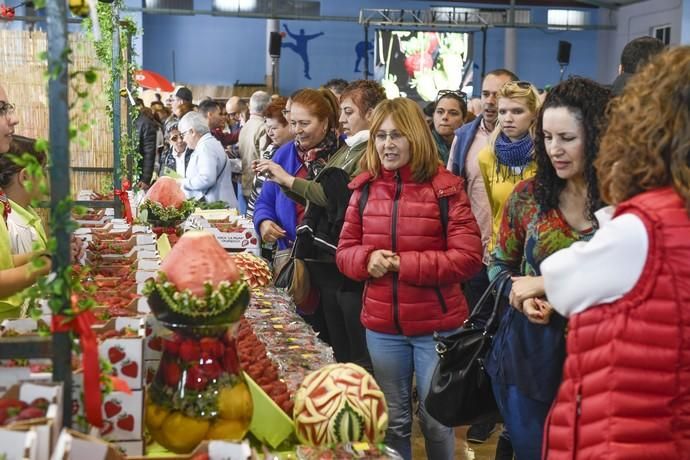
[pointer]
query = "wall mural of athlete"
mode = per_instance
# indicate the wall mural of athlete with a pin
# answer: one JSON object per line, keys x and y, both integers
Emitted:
{"x": 362, "y": 48}
{"x": 300, "y": 46}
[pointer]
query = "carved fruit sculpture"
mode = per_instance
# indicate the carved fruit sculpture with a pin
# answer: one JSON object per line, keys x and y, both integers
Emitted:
{"x": 199, "y": 391}
{"x": 340, "y": 403}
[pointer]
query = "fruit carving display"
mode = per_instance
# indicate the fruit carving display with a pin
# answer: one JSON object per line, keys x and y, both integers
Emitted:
{"x": 340, "y": 403}
{"x": 165, "y": 204}
{"x": 199, "y": 391}
{"x": 255, "y": 270}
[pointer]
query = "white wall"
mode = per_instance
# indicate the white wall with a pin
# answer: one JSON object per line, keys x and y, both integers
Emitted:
{"x": 635, "y": 21}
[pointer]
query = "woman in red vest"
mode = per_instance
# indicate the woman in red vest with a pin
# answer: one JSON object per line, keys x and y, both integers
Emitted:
{"x": 626, "y": 385}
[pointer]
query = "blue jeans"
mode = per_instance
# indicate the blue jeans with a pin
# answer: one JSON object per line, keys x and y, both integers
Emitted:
{"x": 395, "y": 359}
{"x": 524, "y": 419}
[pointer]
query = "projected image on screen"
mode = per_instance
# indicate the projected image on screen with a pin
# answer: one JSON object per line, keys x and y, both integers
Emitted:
{"x": 418, "y": 64}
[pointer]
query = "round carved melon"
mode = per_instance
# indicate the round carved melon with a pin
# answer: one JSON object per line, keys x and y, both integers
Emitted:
{"x": 340, "y": 403}
{"x": 166, "y": 192}
{"x": 198, "y": 258}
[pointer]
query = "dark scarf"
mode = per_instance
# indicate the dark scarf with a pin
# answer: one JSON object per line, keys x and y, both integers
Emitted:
{"x": 316, "y": 158}
{"x": 513, "y": 155}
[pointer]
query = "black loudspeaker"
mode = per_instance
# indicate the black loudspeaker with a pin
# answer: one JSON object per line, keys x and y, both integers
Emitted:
{"x": 274, "y": 44}
{"x": 563, "y": 56}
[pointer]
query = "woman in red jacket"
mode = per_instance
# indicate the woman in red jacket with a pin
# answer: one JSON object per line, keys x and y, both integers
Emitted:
{"x": 625, "y": 392}
{"x": 412, "y": 256}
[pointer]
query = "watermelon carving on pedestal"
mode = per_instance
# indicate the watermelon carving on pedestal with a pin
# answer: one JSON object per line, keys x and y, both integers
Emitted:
{"x": 199, "y": 391}
{"x": 340, "y": 403}
{"x": 165, "y": 204}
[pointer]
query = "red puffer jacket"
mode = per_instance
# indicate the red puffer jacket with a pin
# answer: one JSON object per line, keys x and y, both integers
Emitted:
{"x": 404, "y": 217}
{"x": 626, "y": 381}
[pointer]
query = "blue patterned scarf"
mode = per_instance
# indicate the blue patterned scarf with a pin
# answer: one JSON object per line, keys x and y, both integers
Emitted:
{"x": 515, "y": 156}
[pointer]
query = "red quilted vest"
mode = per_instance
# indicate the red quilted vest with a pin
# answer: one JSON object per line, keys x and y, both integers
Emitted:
{"x": 626, "y": 382}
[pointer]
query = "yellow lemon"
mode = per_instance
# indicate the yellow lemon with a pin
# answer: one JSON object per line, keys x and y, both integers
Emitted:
{"x": 182, "y": 434}
{"x": 235, "y": 403}
{"x": 155, "y": 415}
{"x": 228, "y": 429}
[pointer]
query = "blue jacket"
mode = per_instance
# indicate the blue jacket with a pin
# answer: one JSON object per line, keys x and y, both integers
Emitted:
{"x": 464, "y": 136}
{"x": 273, "y": 204}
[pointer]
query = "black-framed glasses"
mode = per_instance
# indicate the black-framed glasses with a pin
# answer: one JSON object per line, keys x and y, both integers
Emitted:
{"x": 451, "y": 92}
{"x": 6, "y": 109}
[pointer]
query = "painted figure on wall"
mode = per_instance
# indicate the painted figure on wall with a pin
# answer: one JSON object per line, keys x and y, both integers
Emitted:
{"x": 300, "y": 46}
{"x": 362, "y": 48}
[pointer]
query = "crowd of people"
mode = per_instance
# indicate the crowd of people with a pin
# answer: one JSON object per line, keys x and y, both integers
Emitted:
{"x": 581, "y": 194}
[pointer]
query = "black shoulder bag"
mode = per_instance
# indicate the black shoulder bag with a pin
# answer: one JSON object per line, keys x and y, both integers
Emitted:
{"x": 460, "y": 391}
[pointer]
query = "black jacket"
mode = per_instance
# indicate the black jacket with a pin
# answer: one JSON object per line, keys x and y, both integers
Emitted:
{"x": 320, "y": 229}
{"x": 147, "y": 130}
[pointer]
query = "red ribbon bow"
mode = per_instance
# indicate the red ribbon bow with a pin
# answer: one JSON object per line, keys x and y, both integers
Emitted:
{"x": 81, "y": 326}
{"x": 122, "y": 195}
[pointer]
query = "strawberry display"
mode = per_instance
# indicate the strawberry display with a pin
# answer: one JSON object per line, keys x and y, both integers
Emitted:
{"x": 14, "y": 410}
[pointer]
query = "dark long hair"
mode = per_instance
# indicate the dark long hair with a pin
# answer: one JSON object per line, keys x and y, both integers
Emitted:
{"x": 587, "y": 101}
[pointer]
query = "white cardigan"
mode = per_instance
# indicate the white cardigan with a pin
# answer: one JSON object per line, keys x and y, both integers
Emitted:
{"x": 600, "y": 270}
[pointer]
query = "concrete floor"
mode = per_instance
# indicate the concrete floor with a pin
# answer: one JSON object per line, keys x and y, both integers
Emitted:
{"x": 463, "y": 450}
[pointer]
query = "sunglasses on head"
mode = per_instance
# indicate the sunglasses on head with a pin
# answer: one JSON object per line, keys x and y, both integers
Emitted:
{"x": 520, "y": 84}
{"x": 451, "y": 92}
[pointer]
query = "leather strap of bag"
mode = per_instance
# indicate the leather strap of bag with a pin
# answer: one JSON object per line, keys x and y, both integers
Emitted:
{"x": 496, "y": 285}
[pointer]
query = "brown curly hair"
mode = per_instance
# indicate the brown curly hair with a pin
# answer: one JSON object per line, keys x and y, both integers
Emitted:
{"x": 647, "y": 143}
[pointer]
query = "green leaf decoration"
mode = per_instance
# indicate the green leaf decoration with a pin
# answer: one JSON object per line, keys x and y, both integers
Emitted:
{"x": 348, "y": 425}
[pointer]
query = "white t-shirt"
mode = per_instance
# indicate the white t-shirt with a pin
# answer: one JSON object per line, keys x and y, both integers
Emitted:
{"x": 600, "y": 270}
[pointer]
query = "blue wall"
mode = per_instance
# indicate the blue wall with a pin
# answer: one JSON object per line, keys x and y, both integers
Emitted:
{"x": 221, "y": 50}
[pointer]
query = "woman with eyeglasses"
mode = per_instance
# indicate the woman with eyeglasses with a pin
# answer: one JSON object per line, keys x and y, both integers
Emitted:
{"x": 16, "y": 271}
{"x": 410, "y": 236}
{"x": 278, "y": 133}
{"x": 544, "y": 214}
{"x": 450, "y": 111}
{"x": 509, "y": 157}
{"x": 175, "y": 158}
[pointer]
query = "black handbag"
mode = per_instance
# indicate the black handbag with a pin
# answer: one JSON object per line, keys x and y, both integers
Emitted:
{"x": 460, "y": 391}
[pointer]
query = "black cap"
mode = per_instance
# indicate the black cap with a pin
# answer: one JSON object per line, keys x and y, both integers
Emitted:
{"x": 184, "y": 93}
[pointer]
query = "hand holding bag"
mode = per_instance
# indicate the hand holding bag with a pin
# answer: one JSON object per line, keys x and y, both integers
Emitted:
{"x": 460, "y": 391}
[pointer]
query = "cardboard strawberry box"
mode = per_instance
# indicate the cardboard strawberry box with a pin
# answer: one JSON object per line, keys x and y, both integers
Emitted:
{"x": 123, "y": 413}
{"x": 19, "y": 444}
{"x": 45, "y": 427}
{"x": 124, "y": 353}
{"x": 153, "y": 344}
{"x": 73, "y": 445}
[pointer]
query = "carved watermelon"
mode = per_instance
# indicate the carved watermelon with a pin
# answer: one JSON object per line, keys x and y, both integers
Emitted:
{"x": 198, "y": 284}
{"x": 166, "y": 192}
{"x": 340, "y": 403}
{"x": 198, "y": 258}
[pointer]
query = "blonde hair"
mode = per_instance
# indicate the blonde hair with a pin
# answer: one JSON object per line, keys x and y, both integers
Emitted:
{"x": 409, "y": 120}
{"x": 514, "y": 90}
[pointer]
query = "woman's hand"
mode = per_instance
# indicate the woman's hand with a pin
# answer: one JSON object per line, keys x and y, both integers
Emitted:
{"x": 525, "y": 287}
{"x": 270, "y": 231}
{"x": 381, "y": 262}
{"x": 273, "y": 171}
{"x": 538, "y": 311}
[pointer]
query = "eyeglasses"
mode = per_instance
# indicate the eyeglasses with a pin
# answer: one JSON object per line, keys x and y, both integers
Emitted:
{"x": 520, "y": 84}
{"x": 451, "y": 92}
{"x": 382, "y": 136}
{"x": 176, "y": 137}
{"x": 183, "y": 134}
{"x": 6, "y": 109}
